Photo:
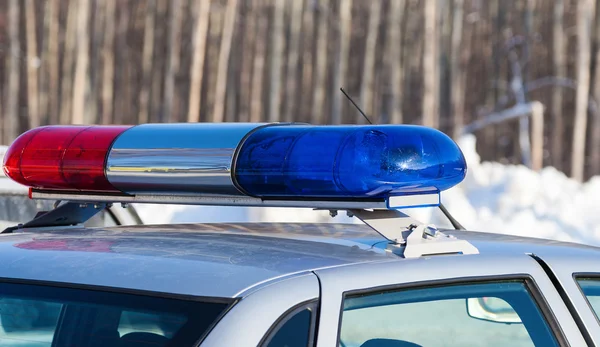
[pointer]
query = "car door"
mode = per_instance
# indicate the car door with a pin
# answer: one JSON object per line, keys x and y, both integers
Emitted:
{"x": 577, "y": 275}
{"x": 423, "y": 302}
{"x": 276, "y": 314}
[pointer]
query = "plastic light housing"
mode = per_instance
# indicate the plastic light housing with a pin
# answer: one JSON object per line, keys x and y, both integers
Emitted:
{"x": 62, "y": 157}
{"x": 347, "y": 161}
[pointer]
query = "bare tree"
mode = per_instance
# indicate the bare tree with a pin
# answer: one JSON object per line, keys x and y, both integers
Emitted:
{"x": 147, "y": 55}
{"x": 202, "y": 12}
{"x": 224, "y": 56}
{"x": 51, "y": 57}
{"x": 249, "y": 37}
{"x": 173, "y": 47}
{"x": 78, "y": 116}
{"x": 108, "y": 60}
{"x": 11, "y": 113}
{"x": 560, "y": 71}
{"x": 430, "y": 73}
{"x": 256, "y": 107}
{"x": 457, "y": 74}
{"x": 67, "y": 66}
{"x": 277, "y": 37}
{"x": 595, "y": 120}
{"x": 292, "y": 65}
{"x": 393, "y": 57}
{"x": 585, "y": 11}
{"x": 33, "y": 63}
{"x": 369, "y": 69}
{"x": 308, "y": 39}
{"x": 345, "y": 31}
{"x": 317, "y": 115}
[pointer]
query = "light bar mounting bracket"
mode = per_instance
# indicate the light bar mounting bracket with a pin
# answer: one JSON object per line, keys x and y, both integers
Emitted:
{"x": 411, "y": 238}
{"x": 66, "y": 214}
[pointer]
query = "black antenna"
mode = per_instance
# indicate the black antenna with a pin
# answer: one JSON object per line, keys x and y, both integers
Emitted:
{"x": 355, "y": 105}
{"x": 446, "y": 213}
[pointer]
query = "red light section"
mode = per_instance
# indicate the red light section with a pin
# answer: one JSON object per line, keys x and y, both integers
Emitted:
{"x": 62, "y": 157}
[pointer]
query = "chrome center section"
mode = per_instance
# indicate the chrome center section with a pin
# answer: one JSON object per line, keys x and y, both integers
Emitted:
{"x": 176, "y": 158}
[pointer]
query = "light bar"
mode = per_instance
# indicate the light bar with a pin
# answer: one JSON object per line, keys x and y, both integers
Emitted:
{"x": 275, "y": 162}
{"x": 348, "y": 161}
{"x": 62, "y": 157}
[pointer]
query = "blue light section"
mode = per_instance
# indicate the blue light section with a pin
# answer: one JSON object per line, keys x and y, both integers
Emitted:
{"x": 348, "y": 161}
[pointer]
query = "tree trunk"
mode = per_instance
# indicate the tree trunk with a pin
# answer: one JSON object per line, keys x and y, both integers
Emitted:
{"x": 560, "y": 71}
{"x": 345, "y": 32}
{"x": 308, "y": 40}
{"x": 585, "y": 10}
{"x": 430, "y": 66}
{"x": 95, "y": 65}
{"x": 277, "y": 52}
{"x": 249, "y": 32}
{"x": 393, "y": 58}
{"x": 457, "y": 78}
{"x": 11, "y": 115}
{"x": 80, "y": 85}
{"x": 595, "y": 126}
{"x": 173, "y": 47}
{"x": 256, "y": 108}
{"x": 291, "y": 94}
{"x": 33, "y": 63}
{"x": 147, "y": 58}
{"x": 52, "y": 58}
{"x": 202, "y": 12}
{"x": 224, "y": 55}
{"x": 108, "y": 59}
{"x": 369, "y": 69}
{"x": 67, "y": 67}
{"x": 318, "y": 112}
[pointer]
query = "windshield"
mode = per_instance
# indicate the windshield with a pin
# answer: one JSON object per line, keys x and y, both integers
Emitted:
{"x": 48, "y": 316}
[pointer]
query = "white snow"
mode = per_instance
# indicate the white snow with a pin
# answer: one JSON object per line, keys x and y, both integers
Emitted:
{"x": 493, "y": 197}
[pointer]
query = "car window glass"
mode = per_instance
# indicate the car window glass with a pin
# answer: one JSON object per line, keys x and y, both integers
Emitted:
{"x": 439, "y": 315}
{"x": 44, "y": 316}
{"x": 293, "y": 331}
{"x": 591, "y": 290}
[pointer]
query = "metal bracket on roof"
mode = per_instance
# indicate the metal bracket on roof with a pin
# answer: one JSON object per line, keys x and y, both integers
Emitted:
{"x": 70, "y": 213}
{"x": 411, "y": 238}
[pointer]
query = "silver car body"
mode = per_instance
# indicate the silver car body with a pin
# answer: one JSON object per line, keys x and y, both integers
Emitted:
{"x": 270, "y": 268}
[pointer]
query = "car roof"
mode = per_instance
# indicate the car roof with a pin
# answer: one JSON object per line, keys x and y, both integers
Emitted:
{"x": 211, "y": 260}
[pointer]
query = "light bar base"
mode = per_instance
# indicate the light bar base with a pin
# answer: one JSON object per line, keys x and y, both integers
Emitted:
{"x": 212, "y": 200}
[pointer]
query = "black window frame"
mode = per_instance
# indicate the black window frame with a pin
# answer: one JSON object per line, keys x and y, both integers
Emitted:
{"x": 229, "y": 302}
{"x": 312, "y": 305}
{"x": 528, "y": 281}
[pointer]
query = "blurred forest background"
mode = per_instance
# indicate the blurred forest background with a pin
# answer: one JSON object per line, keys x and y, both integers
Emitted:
{"x": 522, "y": 75}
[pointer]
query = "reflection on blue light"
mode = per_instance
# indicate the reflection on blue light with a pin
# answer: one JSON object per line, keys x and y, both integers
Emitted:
{"x": 348, "y": 161}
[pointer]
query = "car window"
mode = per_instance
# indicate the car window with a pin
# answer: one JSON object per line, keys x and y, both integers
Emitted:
{"x": 294, "y": 330}
{"x": 44, "y": 316}
{"x": 591, "y": 289}
{"x": 436, "y": 316}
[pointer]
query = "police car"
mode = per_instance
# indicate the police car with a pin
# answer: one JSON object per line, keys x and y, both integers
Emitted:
{"x": 392, "y": 281}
